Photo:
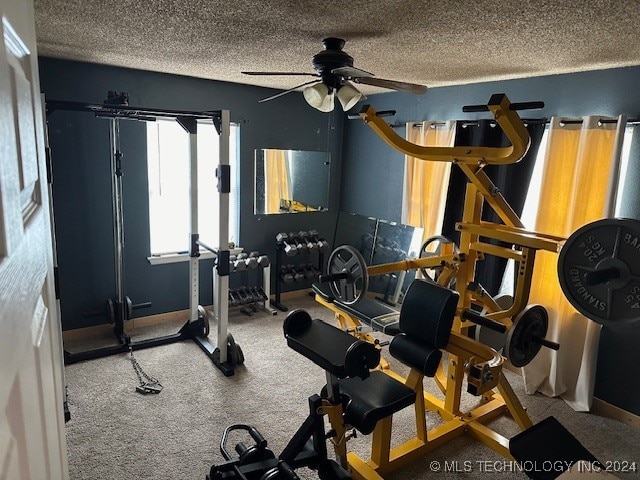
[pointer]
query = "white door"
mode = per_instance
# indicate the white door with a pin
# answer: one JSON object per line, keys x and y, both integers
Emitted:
{"x": 32, "y": 437}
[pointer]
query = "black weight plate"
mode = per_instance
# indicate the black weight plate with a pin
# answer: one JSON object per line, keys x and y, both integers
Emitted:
{"x": 608, "y": 249}
{"x": 129, "y": 311}
{"x": 347, "y": 258}
{"x": 234, "y": 353}
{"x": 521, "y": 348}
{"x": 111, "y": 311}
{"x": 432, "y": 247}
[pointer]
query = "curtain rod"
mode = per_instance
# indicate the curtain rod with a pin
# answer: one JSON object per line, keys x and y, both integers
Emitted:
{"x": 474, "y": 123}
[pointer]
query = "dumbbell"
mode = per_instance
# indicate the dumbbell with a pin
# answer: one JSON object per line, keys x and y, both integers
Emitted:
{"x": 301, "y": 247}
{"x": 240, "y": 263}
{"x": 298, "y": 274}
{"x": 287, "y": 244}
{"x": 308, "y": 271}
{"x": 313, "y": 240}
{"x": 232, "y": 265}
{"x": 252, "y": 260}
{"x": 263, "y": 261}
{"x": 256, "y": 295}
{"x": 315, "y": 271}
{"x": 233, "y": 298}
{"x": 286, "y": 276}
{"x": 243, "y": 298}
{"x": 261, "y": 293}
{"x": 305, "y": 241}
{"x": 320, "y": 243}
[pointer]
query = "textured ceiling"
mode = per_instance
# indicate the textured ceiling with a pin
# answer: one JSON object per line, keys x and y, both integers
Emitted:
{"x": 428, "y": 42}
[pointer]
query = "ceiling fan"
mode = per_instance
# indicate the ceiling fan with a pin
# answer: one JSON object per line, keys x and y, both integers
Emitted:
{"x": 335, "y": 73}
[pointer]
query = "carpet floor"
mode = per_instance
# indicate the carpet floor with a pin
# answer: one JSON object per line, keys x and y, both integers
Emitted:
{"x": 118, "y": 434}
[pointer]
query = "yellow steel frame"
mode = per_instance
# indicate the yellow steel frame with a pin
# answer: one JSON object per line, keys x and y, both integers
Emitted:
{"x": 498, "y": 398}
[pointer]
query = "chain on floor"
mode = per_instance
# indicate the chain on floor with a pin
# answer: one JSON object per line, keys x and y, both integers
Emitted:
{"x": 147, "y": 383}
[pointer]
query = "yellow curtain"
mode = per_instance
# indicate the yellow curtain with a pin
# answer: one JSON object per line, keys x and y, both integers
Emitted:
{"x": 581, "y": 165}
{"x": 276, "y": 173}
{"x": 426, "y": 182}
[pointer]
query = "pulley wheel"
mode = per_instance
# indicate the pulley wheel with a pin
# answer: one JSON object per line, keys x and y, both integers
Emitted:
{"x": 599, "y": 270}
{"x": 346, "y": 259}
{"x": 523, "y": 339}
{"x": 489, "y": 337}
{"x": 432, "y": 247}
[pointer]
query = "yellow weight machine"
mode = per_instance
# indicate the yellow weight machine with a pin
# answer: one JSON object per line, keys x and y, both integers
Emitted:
{"x": 481, "y": 365}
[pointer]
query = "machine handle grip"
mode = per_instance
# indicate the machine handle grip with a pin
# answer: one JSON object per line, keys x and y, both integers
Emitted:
{"x": 484, "y": 321}
{"x": 513, "y": 106}
{"x": 546, "y": 343}
{"x": 261, "y": 442}
{"x": 332, "y": 277}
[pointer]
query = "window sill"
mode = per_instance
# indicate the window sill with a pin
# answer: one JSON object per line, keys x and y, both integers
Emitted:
{"x": 176, "y": 257}
{"x": 184, "y": 257}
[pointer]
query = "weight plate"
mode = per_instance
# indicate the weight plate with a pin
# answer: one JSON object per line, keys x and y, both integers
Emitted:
{"x": 599, "y": 270}
{"x": 347, "y": 259}
{"x": 530, "y": 324}
{"x": 111, "y": 311}
{"x": 129, "y": 308}
{"x": 234, "y": 353}
{"x": 491, "y": 338}
{"x": 432, "y": 247}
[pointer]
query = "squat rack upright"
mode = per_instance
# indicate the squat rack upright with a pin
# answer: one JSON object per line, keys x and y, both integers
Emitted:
{"x": 226, "y": 354}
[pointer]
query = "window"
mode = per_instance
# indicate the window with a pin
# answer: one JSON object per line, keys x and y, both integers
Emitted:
{"x": 530, "y": 209}
{"x": 169, "y": 170}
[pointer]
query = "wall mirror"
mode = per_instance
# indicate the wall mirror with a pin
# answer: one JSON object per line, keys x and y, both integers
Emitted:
{"x": 291, "y": 181}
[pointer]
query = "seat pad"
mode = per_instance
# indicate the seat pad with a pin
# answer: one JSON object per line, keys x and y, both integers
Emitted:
{"x": 372, "y": 399}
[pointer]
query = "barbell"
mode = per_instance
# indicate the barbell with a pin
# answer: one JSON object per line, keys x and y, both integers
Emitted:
{"x": 599, "y": 270}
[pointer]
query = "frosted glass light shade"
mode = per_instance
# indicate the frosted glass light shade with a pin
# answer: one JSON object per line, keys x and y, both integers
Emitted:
{"x": 348, "y": 96}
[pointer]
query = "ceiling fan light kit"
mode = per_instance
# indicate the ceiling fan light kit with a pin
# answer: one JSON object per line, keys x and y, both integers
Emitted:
{"x": 349, "y": 96}
{"x": 320, "y": 98}
{"x": 335, "y": 69}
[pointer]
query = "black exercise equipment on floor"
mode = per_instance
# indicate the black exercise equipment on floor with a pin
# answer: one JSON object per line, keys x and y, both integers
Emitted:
{"x": 341, "y": 356}
{"x": 227, "y": 353}
{"x": 548, "y": 449}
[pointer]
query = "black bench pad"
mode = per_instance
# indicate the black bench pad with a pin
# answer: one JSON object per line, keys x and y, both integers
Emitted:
{"x": 372, "y": 399}
{"x": 378, "y": 316}
{"x": 548, "y": 441}
{"x": 330, "y": 348}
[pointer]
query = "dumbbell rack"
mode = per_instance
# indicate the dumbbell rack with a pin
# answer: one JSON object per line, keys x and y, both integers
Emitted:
{"x": 281, "y": 256}
{"x": 256, "y": 296}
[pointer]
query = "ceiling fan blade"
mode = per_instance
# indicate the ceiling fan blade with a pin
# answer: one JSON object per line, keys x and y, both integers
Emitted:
{"x": 351, "y": 72}
{"x": 281, "y": 73}
{"x": 287, "y": 91}
{"x": 392, "y": 84}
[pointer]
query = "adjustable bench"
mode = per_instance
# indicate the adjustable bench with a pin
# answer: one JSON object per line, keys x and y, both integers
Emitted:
{"x": 367, "y": 311}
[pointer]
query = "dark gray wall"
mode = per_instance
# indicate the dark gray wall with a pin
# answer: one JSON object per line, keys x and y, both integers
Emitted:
{"x": 372, "y": 173}
{"x": 82, "y": 191}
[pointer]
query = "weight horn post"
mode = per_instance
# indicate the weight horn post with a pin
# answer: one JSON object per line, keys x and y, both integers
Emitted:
{"x": 598, "y": 277}
{"x": 484, "y": 321}
{"x": 546, "y": 343}
{"x": 332, "y": 277}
